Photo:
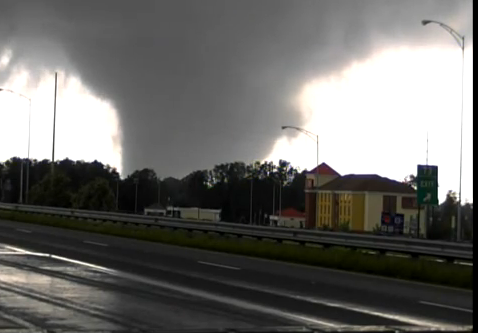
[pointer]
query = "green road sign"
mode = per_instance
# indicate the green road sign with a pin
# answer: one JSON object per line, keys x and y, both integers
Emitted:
{"x": 427, "y": 184}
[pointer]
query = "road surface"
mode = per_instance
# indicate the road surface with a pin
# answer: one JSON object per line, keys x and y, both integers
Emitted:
{"x": 62, "y": 279}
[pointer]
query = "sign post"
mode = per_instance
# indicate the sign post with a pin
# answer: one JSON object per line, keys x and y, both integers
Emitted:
{"x": 427, "y": 188}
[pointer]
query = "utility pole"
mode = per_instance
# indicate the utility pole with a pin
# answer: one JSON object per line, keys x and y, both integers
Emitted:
{"x": 28, "y": 157}
{"x": 136, "y": 181}
{"x": 117, "y": 193}
{"x": 461, "y": 43}
{"x": 314, "y": 137}
{"x": 54, "y": 124}
{"x": 427, "y": 149}
{"x": 280, "y": 199}
{"x": 273, "y": 198}
{"x": 250, "y": 204}
{"x": 20, "y": 199}
{"x": 159, "y": 191}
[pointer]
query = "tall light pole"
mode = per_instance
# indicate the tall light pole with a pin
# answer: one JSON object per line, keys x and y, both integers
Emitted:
{"x": 136, "y": 181}
{"x": 461, "y": 43}
{"x": 117, "y": 192}
{"x": 315, "y": 137}
{"x": 252, "y": 174}
{"x": 54, "y": 127}
{"x": 28, "y": 153}
{"x": 250, "y": 204}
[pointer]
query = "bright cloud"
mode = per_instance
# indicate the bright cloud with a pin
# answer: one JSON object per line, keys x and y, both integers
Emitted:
{"x": 373, "y": 117}
{"x": 5, "y": 58}
{"x": 87, "y": 127}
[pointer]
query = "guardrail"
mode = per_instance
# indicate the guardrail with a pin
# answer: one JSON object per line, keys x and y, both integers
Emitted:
{"x": 449, "y": 251}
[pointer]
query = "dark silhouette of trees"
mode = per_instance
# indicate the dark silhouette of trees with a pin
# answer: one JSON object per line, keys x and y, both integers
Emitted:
{"x": 55, "y": 191}
{"x": 227, "y": 186}
{"x": 95, "y": 195}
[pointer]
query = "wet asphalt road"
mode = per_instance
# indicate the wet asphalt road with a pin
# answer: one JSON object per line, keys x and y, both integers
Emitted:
{"x": 42, "y": 292}
{"x": 68, "y": 280}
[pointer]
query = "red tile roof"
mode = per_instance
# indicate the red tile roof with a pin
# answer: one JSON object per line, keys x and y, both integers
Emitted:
{"x": 291, "y": 212}
{"x": 324, "y": 169}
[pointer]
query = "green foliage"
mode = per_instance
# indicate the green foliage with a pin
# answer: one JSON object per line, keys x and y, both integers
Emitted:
{"x": 411, "y": 180}
{"x": 95, "y": 195}
{"x": 52, "y": 191}
{"x": 412, "y": 269}
{"x": 344, "y": 226}
{"x": 226, "y": 187}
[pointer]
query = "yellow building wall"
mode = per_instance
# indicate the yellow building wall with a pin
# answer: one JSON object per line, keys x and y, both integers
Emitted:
{"x": 324, "y": 213}
{"x": 325, "y": 205}
{"x": 345, "y": 209}
{"x": 374, "y": 206}
{"x": 363, "y": 211}
{"x": 408, "y": 213}
{"x": 358, "y": 212}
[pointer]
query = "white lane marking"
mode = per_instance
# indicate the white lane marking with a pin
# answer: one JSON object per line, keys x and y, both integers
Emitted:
{"x": 22, "y": 251}
{"x": 95, "y": 243}
{"x": 24, "y": 230}
{"x": 82, "y": 263}
{"x": 18, "y": 321}
{"x": 464, "y": 263}
{"x": 219, "y": 265}
{"x": 197, "y": 293}
{"x": 446, "y": 306}
{"x": 231, "y": 301}
{"x": 412, "y": 320}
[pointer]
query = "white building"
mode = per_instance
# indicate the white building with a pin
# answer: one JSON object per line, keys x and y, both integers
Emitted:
{"x": 194, "y": 213}
{"x": 155, "y": 210}
{"x": 289, "y": 217}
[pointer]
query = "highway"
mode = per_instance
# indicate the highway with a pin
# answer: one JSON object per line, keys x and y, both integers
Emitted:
{"x": 62, "y": 279}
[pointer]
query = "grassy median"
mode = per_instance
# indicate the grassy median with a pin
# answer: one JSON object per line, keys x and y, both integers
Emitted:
{"x": 411, "y": 269}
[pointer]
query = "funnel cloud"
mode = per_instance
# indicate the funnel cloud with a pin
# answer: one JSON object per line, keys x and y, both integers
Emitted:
{"x": 198, "y": 83}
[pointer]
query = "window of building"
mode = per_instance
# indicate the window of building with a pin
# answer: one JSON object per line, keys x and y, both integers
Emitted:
{"x": 389, "y": 204}
{"x": 409, "y": 203}
{"x": 310, "y": 183}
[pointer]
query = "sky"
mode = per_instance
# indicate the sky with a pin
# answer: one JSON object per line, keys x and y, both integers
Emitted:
{"x": 183, "y": 85}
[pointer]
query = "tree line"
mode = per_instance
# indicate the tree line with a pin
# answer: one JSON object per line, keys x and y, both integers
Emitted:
{"x": 95, "y": 186}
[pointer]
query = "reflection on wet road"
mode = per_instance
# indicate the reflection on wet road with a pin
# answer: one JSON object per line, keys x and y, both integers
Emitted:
{"x": 41, "y": 292}
{"x": 155, "y": 287}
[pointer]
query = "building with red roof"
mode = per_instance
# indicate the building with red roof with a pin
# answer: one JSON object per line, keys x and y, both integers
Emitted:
{"x": 358, "y": 201}
{"x": 289, "y": 217}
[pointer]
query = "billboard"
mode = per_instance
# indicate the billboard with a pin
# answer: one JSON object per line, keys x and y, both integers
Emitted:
{"x": 392, "y": 223}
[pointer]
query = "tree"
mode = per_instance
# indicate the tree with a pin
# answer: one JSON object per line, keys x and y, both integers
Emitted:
{"x": 411, "y": 180}
{"x": 95, "y": 195}
{"x": 93, "y": 185}
{"x": 52, "y": 191}
{"x": 441, "y": 227}
{"x": 467, "y": 223}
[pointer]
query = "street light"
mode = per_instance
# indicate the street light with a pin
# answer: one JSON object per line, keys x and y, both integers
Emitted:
{"x": 118, "y": 178}
{"x": 315, "y": 137}
{"x": 461, "y": 43}
{"x": 28, "y": 153}
{"x": 136, "y": 182}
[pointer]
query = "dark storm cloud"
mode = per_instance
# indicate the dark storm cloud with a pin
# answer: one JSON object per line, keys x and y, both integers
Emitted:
{"x": 202, "y": 82}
